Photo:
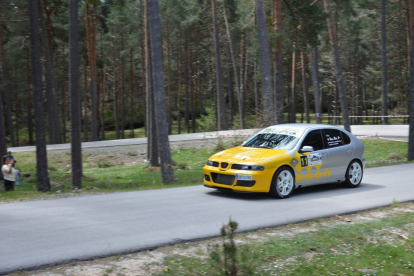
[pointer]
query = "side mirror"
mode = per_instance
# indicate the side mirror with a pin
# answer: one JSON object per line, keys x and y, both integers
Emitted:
{"x": 307, "y": 149}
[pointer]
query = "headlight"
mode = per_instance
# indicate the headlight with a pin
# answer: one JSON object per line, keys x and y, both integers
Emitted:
{"x": 212, "y": 163}
{"x": 247, "y": 167}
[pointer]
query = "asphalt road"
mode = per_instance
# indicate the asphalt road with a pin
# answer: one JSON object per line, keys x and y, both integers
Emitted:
{"x": 358, "y": 130}
{"x": 39, "y": 233}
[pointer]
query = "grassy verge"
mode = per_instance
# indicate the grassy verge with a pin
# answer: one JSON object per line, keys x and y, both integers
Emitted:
{"x": 323, "y": 247}
{"x": 124, "y": 169}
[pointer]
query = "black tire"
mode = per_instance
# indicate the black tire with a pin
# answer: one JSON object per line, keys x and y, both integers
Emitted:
{"x": 354, "y": 174}
{"x": 283, "y": 183}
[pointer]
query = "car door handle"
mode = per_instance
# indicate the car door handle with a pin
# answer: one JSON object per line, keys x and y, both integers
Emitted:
{"x": 349, "y": 151}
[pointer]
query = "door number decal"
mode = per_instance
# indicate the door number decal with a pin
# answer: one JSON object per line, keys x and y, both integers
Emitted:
{"x": 311, "y": 159}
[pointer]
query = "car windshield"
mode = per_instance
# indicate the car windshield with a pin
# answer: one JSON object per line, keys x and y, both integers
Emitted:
{"x": 272, "y": 141}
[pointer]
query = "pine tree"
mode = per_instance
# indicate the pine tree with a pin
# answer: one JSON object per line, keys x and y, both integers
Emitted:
{"x": 42, "y": 177}
{"x": 167, "y": 169}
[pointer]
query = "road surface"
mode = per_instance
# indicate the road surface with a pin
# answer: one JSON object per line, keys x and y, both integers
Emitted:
{"x": 40, "y": 233}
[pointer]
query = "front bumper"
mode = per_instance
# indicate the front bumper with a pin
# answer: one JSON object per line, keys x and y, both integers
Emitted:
{"x": 215, "y": 177}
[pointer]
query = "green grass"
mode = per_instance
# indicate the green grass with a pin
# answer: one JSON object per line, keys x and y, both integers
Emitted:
{"x": 107, "y": 173}
{"x": 380, "y": 152}
{"x": 120, "y": 171}
{"x": 328, "y": 248}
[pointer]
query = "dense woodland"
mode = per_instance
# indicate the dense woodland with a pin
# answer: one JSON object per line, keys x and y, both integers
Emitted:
{"x": 226, "y": 64}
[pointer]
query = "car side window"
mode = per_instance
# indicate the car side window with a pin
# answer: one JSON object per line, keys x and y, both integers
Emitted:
{"x": 346, "y": 138}
{"x": 313, "y": 139}
{"x": 333, "y": 138}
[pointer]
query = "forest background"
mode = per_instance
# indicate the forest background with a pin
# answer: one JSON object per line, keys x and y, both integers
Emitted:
{"x": 228, "y": 64}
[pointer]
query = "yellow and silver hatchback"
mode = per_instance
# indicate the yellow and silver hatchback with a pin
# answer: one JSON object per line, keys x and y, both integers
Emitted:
{"x": 281, "y": 158}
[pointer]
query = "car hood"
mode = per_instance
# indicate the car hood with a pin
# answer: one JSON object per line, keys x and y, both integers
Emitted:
{"x": 247, "y": 155}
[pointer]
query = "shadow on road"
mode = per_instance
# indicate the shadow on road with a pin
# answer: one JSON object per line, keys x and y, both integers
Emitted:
{"x": 313, "y": 192}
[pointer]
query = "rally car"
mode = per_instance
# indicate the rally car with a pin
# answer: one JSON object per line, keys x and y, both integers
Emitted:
{"x": 282, "y": 158}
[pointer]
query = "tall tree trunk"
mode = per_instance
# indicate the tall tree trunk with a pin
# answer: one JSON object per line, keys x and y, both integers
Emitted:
{"x": 384, "y": 62}
{"x": 115, "y": 93}
{"x": 29, "y": 102}
{"x": 305, "y": 87}
{"x": 91, "y": 40}
{"x": 256, "y": 93}
{"x": 167, "y": 169}
{"x": 338, "y": 68}
{"x": 103, "y": 104}
{"x": 243, "y": 74}
{"x": 51, "y": 94}
{"x": 168, "y": 76}
{"x": 42, "y": 176}
{"x": 18, "y": 112}
{"x": 74, "y": 91}
{"x": 315, "y": 82}
{"x": 3, "y": 143}
{"x": 410, "y": 155}
{"x": 230, "y": 94}
{"x": 179, "y": 91}
{"x": 152, "y": 144}
{"x": 408, "y": 34}
{"x": 191, "y": 80}
{"x": 131, "y": 95}
{"x": 85, "y": 104}
{"x": 265, "y": 65}
{"x": 293, "y": 87}
{"x": 64, "y": 107}
{"x": 196, "y": 85}
{"x": 187, "y": 84}
{"x": 221, "y": 104}
{"x": 358, "y": 97}
{"x": 122, "y": 90}
{"x": 240, "y": 98}
{"x": 279, "y": 61}
{"x": 6, "y": 92}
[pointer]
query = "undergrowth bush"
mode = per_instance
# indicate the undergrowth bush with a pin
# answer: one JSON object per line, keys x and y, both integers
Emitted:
{"x": 227, "y": 258}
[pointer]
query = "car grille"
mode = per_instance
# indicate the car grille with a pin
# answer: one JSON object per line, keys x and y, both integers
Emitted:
{"x": 224, "y": 165}
{"x": 222, "y": 178}
{"x": 245, "y": 183}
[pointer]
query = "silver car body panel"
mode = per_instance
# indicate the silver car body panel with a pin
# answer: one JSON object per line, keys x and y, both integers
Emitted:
{"x": 337, "y": 158}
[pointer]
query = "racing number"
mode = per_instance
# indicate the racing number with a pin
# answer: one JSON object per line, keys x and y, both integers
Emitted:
{"x": 303, "y": 161}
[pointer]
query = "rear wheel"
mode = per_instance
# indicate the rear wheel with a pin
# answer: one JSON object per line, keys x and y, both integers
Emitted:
{"x": 283, "y": 183}
{"x": 354, "y": 174}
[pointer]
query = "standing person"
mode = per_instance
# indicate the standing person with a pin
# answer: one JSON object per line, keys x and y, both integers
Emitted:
{"x": 16, "y": 172}
{"x": 7, "y": 170}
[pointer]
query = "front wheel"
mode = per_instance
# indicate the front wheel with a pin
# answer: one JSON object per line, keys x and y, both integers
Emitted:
{"x": 283, "y": 183}
{"x": 353, "y": 175}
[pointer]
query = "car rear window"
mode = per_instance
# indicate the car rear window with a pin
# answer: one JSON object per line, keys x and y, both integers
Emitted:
{"x": 347, "y": 140}
{"x": 333, "y": 138}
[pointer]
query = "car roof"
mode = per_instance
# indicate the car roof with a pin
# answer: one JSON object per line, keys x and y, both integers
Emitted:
{"x": 306, "y": 126}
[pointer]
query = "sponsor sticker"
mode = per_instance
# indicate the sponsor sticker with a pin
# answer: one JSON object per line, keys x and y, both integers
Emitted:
{"x": 311, "y": 159}
{"x": 244, "y": 177}
{"x": 334, "y": 140}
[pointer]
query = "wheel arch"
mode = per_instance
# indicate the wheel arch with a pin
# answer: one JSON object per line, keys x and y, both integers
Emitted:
{"x": 352, "y": 160}
{"x": 289, "y": 166}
